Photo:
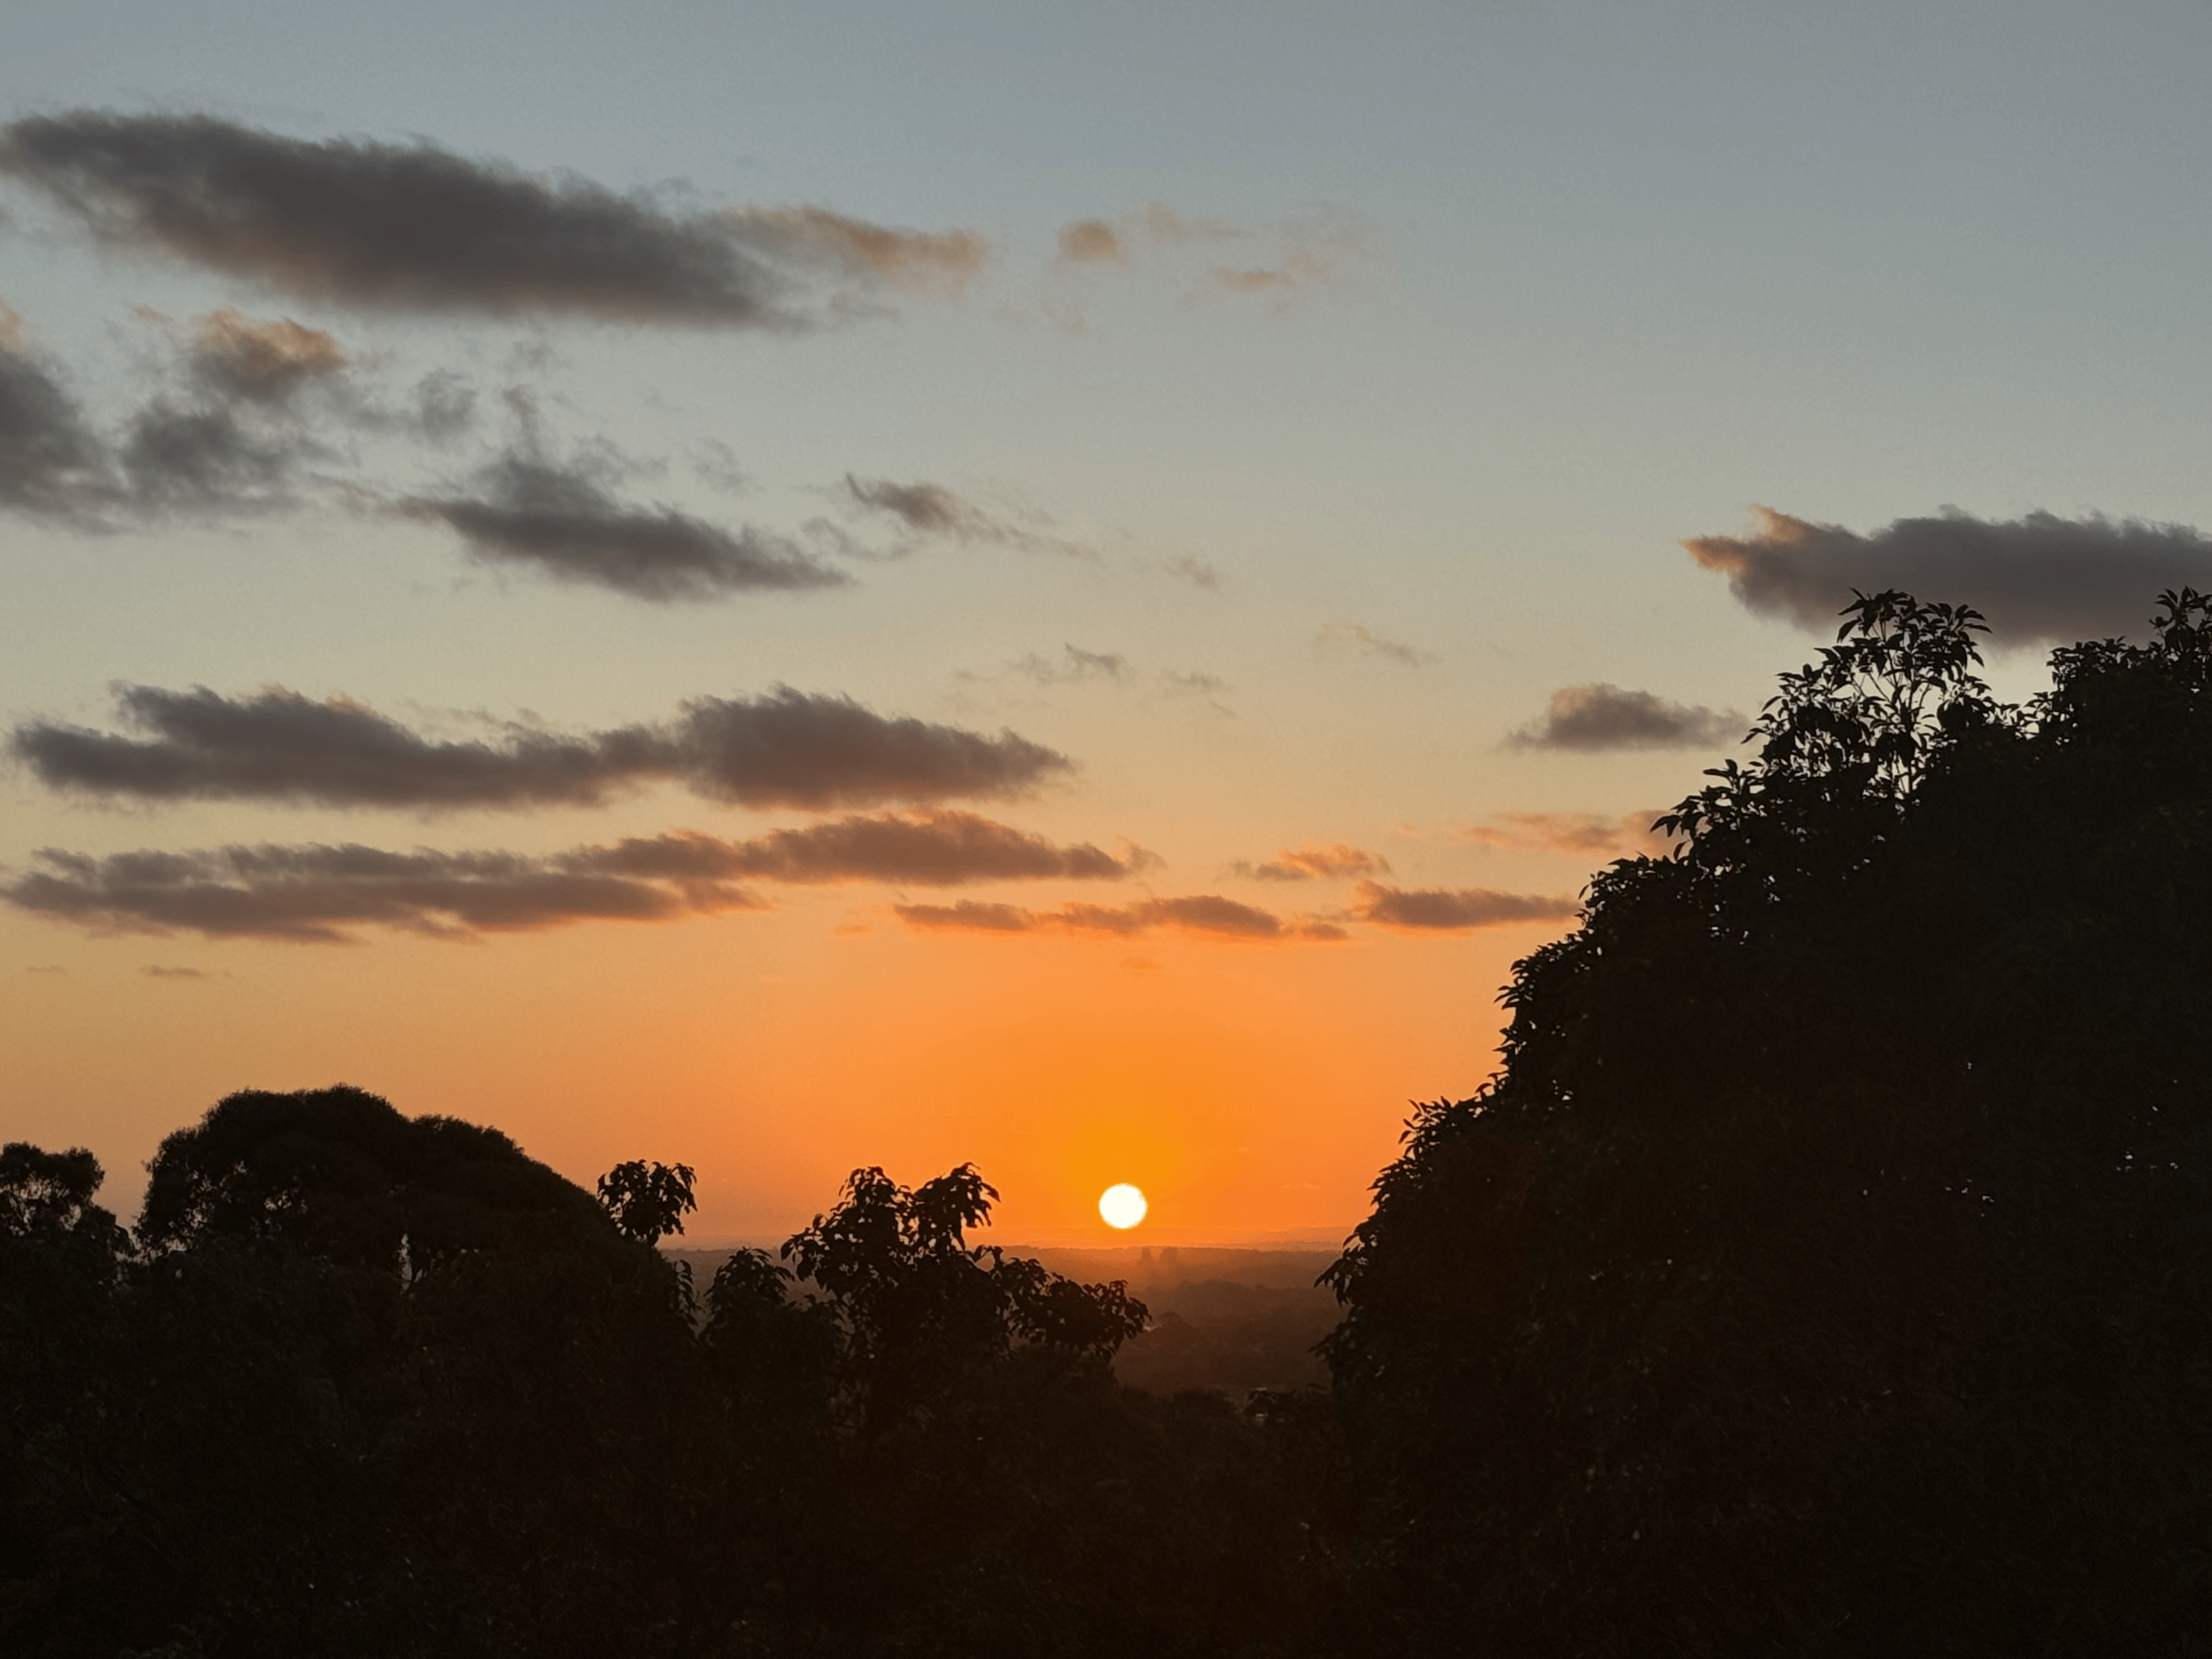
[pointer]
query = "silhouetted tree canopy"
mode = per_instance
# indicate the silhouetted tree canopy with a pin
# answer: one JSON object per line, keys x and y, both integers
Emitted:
{"x": 365, "y": 1384}
{"x": 1829, "y": 1267}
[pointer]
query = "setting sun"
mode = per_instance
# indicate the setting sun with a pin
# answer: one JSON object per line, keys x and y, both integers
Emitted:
{"x": 1122, "y": 1205}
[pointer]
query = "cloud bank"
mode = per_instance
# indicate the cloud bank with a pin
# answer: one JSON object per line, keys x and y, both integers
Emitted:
{"x": 1595, "y": 718}
{"x": 786, "y": 749}
{"x": 1456, "y": 910}
{"x": 416, "y": 228}
{"x": 2037, "y": 579}
{"x": 315, "y": 894}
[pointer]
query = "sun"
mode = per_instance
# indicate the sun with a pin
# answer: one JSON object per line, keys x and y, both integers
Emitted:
{"x": 1122, "y": 1206}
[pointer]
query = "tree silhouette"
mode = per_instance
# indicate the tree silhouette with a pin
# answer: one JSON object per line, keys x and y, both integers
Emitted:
{"x": 921, "y": 1312}
{"x": 1825, "y": 1271}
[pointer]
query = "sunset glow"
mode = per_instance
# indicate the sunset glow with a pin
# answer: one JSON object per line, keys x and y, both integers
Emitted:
{"x": 830, "y": 600}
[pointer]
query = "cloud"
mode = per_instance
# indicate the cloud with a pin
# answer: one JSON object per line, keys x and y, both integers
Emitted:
{"x": 1074, "y": 665}
{"x": 229, "y": 427}
{"x": 265, "y": 362}
{"x": 923, "y": 849}
{"x": 153, "y": 971}
{"x": 1598, "y": 717}
{"x": 51, "y": 463}
{"x": 1314, "y": 861}
{"x": 929, "y": 509}
{"x": 1188, "y": 568}
{"x": 415, "y": 227}
{"x": 790, "y": 749}
{"x": 1205, "y": 915}
{"x": 1585, "y": 834}
{"x": 1352, "y": 636}
{"x": 786, "y": 749}
{"x": 934, "y": 263}
{"x": 1197, "y": 684}
{"x": 2040, "y": 578}
{"x": 1441, "y": 909}
{"x": 316, "y": 894}
{"x": 563, "y": 522}
{"x": 1091, "y": 242}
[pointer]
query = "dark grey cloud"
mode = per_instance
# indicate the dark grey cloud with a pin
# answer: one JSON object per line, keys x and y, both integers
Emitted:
{"x": 1599, "y": 717}
{"x": 318, "y": 894}
{"x": 563, "y": 522}
{"x": 790, "y": 749}
{"x": 2037, "y": 579}
{"x": 415, "y": 227}
{"x": 1312, "y": 862}
{"x": 922, "y": 849}
{"x": 1453, "y": 910}
{"x": 50, "y": 462}
{"x": 786, "y": 749}
{"x": 197, "y": 458}
{"x": 1207, "y": 916}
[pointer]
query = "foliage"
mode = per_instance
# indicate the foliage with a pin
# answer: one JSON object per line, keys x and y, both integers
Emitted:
{"x": 373, "y": 1385}
{"x": 647, "y": 1202}
{"x": 919, "y": 1311}
{"x": 1826, "y": 1270}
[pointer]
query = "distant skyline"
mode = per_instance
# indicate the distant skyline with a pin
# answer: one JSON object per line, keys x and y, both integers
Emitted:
{"x": 1067, "y": 590}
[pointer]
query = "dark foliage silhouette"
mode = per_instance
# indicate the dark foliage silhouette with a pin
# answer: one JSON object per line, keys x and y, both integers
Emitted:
{"x": 366, "y": 1384}
{"x": 1826, "y": 1270}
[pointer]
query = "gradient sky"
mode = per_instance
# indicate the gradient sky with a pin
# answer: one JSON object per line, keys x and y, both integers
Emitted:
{"x": 1251, "y": 504}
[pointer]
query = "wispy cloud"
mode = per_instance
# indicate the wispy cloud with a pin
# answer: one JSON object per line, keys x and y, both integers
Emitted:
{"x": 1593, "y": 835}
{"x": 413, "y": 228}
{"x": 2039, "y": 578}
{"x": 1339, "y": 637}
{"x": 1453, "y": 910}
{"x": 1314, "y": 862}
{"x": 786, "y": 749}
{"x": 930, "y": 509}
{"x": 1205, "y": 915}
{"x": 1274, "y": 261}
{"x": 938, "y": 263}
{"x": 1595, "y": 718}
